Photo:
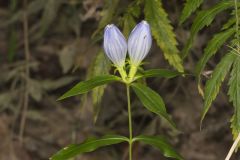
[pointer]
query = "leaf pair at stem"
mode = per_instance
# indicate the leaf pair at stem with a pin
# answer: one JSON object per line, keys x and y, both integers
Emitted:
{"x": 93, "y": 144}
{"x": 150, "y": 100}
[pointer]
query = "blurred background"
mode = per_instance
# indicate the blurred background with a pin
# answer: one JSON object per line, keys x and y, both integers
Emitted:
{"x": 57, "y": 43}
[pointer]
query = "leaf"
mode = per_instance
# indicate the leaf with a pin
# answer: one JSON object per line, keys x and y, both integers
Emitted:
{"x": 152, "y": 101}
{"x": 86, "y": 86}
{"x": 204, "y": 18}
{"x": 234, "y": 92}
{"x": 213, "y": 46}
{"x": 108, "y": 14}
{"x": 163, "y": 32}
{"x": 159, "y": 73}
{"x": 189, "y": 7}
{"x": 87, "y": 146}
{"x": 100, "y": 66}
{"x": 214, "y": 83}
{"x": 229, "y": 23}
{"x": 161, "y": 143}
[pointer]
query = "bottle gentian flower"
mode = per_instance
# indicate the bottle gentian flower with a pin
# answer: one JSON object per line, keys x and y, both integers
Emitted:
{"x": 139, "y": 44}
{"x": 115, "y": 47}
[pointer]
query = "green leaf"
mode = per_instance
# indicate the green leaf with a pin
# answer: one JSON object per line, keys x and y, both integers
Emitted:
{"x": 86, "y": 86}
{"x": 161, "y": 143}
{"x": 159, "y": 73}
{"x": 234, "y": 92}
{"x": 229, "y": 23}
{"x": 100, "y": 66}
{"x": 163, "y": 32}
{"x": 204, "y": 18}
{"x": 213, "y": 46}
{"x": 213, "y": 85}
{"x": 152, "y": 101}
{"x": 87, "y": 146}
{"x": 189, "y": 7}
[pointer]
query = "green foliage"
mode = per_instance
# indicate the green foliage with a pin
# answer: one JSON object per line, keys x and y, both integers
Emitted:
{"x": 152, "y": 101}
{"x": 213, "y": 46}
{"x": 87, "y": 146}
{"x": 234, "y": 93}
{"x": 229, "y": 63}
{"x": 189, "y": 7}
{"x": 86, "y": 86}
{"x": 160, "y": 143}
{"x": 205, "y": 18}
{"x": 214, "y": 83}
{"x": 159, "y": 73}
{"x": 163, "y": 32}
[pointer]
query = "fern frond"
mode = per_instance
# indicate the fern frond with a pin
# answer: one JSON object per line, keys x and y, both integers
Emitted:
{"x": 214, "y": 83}
{"x": 234, "y": 92}
{"x": 163, "y": 32}
{"x": 189, "y": 7}
{"x": 204, "y": 18}
{"x": 213, "y": 46}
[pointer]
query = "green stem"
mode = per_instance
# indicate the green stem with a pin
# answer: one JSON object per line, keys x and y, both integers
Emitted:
{"x": 122, "y": 72}
{"x": 130, "y": 122}
{"x": 132, "y": 72}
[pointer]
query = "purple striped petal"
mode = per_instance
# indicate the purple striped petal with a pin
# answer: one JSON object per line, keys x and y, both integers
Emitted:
{"x": 139, "y": 42}
{"x": 115, "y": 45}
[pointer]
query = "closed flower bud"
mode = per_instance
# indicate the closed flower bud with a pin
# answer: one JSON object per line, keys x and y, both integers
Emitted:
{"x": 115, "y": 45}
{"x": 139, "y": 43}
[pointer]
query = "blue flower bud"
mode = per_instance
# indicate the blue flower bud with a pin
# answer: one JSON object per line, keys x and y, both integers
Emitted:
{"x": 115, "y": 45}
{"x": 139, "y": 43}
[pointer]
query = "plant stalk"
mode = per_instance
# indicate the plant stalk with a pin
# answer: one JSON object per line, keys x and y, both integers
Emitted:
{"x": 233, "y": 147}
{"x": 129, "y": 121}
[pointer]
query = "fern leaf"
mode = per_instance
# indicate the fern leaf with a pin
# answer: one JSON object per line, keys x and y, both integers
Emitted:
{"x": 204, "y": 18}
{"x": 213, "y": 46}
{"x": 229, "y": 23}
{"x": 213, "y": 85}
{"x": 163, "y": 32}
{"x": 234, "y": 93}
{"x": 189, "y": 7}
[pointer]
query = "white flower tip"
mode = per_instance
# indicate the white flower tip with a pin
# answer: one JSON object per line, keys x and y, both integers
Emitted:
{"x": 110, "y": 26}
{"x": 144, "y": 22}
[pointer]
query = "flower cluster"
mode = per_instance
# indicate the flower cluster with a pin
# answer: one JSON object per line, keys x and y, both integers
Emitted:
{"x": 138, "y": 46}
